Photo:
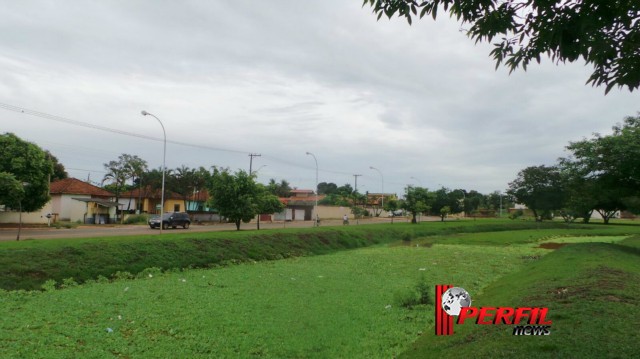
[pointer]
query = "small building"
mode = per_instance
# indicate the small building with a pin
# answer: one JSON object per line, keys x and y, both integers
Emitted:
{"x": 376, "y": 200}
{"x": 147, "y": 200}
{"x": 299, "y": 206}
{"x": 78, "y": 201}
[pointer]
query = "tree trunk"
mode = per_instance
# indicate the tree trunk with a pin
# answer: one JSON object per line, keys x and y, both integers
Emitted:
{"x": 413, "y": 218}
{"x": 535, "y": 214}
{"x": 237, "y": 224}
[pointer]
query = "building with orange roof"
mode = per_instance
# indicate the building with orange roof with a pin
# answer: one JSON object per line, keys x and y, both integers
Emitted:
{"x": 75, "y": 200}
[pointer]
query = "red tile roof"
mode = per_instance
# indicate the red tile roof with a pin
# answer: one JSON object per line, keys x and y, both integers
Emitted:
{"x": 148, "y": 192}
{"x": 301, "y": 191}
{"x": 200, "y": 196}
{"x": 76, "y": 186}
{"x": 301, "y": 201}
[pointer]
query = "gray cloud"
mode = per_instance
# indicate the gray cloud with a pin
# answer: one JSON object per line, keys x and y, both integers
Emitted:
{"x": 285, "y": 77}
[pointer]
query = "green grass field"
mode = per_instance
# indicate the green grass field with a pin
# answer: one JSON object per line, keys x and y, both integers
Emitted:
{"x": 345, "y": 303}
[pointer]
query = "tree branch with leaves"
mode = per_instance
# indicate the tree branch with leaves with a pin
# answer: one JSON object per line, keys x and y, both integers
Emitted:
{"x": 605, "y": 34}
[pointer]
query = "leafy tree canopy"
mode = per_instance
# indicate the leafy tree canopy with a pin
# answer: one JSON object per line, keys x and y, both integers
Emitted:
{"x": 280, "y": 189}
{"x": 59, "y": 172}
{"x": 604, "y": 172}
{"x": 11, "y": 190}
{"x": 327, "y": 188}
{"x": 417, "y": 200}
{"x": 540, "y": 188}
{"x": 237, "y": 197}
{"x": 604, "y": 33}
{"x": 30, "y": 168}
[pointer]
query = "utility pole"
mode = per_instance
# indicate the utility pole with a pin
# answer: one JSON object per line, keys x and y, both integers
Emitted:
{"x": 356, "y": 194}
{"x": 251, "y": 156}
{"x": 356, "y": 187}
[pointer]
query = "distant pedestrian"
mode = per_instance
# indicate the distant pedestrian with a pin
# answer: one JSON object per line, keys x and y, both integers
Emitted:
{"x": 345, "y": 220}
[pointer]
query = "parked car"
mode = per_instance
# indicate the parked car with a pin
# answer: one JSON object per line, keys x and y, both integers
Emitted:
{"x": 172, "y": 220}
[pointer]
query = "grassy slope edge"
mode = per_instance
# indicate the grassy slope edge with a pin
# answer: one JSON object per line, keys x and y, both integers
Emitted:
{"x": 592, "y": 291}
{"x": 29, "y": 264}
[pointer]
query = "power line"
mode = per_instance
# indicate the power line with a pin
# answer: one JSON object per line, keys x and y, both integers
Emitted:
{"x": 108, "y": 129}
{"x": 47, "y": 116}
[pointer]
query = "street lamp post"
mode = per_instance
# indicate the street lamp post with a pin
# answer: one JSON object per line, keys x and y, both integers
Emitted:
{"x": 315, "y": 207}
{"x": 24, "y": 184}
{"x": 164, "y": 157}
{"x": 382, "y": 178}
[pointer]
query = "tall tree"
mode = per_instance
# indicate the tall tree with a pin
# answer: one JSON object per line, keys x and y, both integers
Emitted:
{"x": 604, "y": 33}
{"x": 117, "y": 174}
{"x": 201, "y": 180}
{"x": 59, "y": 172}
{"x": 327, "y": 188}
{"x": 446, "y": 202}
{"x": 29, "y": 166}
{"x": 267, "y": 203}
{"x": 183, "y": 183}
{"x": 609, "y": 166}
{"x": 391, "y": 206}
{"x": 281, "y": 189}
{"x": 416, "y": 201}
{"x": 135, "y": 167}
{"x": 540, "y": 188}
{"x": 473, "y": 201}
{"x": 11, "y": 190}
{"x": 235, "y": 196}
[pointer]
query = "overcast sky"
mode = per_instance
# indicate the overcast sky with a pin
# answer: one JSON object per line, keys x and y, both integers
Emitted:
{"x": 420, "y": 103}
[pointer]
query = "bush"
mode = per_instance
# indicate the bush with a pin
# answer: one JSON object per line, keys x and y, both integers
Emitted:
{"x": 67, "y": 225}
{"x": 517, "y": 214}
{"x": 418, "y": 295}
{"x": 137, "y": 219}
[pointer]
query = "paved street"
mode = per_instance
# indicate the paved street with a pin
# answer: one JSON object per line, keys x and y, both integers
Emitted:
{"x": 90, "y": 231}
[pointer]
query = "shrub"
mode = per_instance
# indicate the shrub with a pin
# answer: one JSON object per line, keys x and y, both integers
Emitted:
{"x": 67, "y": 225}
{"x": 49, "y": 285}
{"x": 137, "y": 219}
{"x": 418, "y": 295}
{"x": 517, "y": 214}
{"x": 122, "y": 275}
{"x": 68, "y": 282}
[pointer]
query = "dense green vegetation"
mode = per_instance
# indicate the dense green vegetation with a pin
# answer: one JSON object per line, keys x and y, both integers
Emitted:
{"x": 29, "y": 264}
{"x": 24, "y": 174}
{"x": 592, "y": 291}
{"x": 349, "y": 304}
{"x": 369, "y": 302}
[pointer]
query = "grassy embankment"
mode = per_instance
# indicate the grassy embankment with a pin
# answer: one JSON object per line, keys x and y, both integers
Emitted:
{"x": 592, "y": 290}
{"x": 28, "y": 264}
{"x": 346, "y": 304}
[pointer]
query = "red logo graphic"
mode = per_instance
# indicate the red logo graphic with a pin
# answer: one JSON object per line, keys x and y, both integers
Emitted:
{"x": 454, "y": 301}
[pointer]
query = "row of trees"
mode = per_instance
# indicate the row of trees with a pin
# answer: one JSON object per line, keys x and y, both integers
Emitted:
{"x": 444, "y": 201}
{"x": 237, "y": 196}
{"x": 601, "y": 174}
{"x": 417, "y": 200}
